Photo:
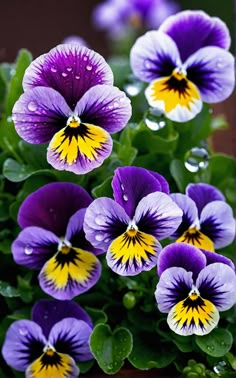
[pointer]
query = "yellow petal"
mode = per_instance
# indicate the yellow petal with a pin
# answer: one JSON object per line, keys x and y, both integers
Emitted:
{"x": 198, "y": 239}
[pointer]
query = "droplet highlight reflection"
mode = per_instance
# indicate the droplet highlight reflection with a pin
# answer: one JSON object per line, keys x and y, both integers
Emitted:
{"x": 196, "y": 159}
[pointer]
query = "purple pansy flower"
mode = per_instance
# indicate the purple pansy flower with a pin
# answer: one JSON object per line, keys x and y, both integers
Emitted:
{"x": 118, "y": 16}
{"x": 70, "y": 102}
{"x": 185, "y": 63}
{"x": 208, "y": 221}
{"x": 53, "y": 240}
{"x": 192, "y": 292}
{"x": 129, "y": 227}
{"x": 75, "y": 39}
{"x": 50, "y": 344}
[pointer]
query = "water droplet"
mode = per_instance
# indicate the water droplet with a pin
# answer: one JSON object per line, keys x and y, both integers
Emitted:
{"x": 85, "y": 58}
{"x": 106, "y": 240}
{"x": 64, "y": 74}
{"x": 9, "y": 119}
{"x": 89, "y": 67}
{"x": 99, "y": 237}
{"x": 23, "y": 331}
{"x": 125, "y": 197}
{"x": 53, "y": 69}
{"x": 115, "y": 104}
{"x": 154, "y": 119}
{"x": 220, "y": 63}
{"x": 32, "y": 106}
{"x": 210, "y": 348}
{"x": 196, "y": 159}
{"x": 220, "y": 367}
{"x": 77, "y": 77}
{"x": 12, "y": 71}
{"x": 122, "y": 187}
{"x": 69, "y": 69}
{"x": 100, "y": 220}
{"x": 147, "y": 64}
{"x": 28, "y": 249}
{"x": 132, "y": 86}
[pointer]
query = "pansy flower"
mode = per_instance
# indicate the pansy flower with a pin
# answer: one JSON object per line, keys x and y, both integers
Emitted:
{"x": 185, "y": 63}
{"x": 69, "y": 101}
{"x": 51, "y": 343}
{"x": 129, "y": 227}
{"x": 53, "y": 240}
{"x": 208, "y": 221}
{"x": 192, "y": 292}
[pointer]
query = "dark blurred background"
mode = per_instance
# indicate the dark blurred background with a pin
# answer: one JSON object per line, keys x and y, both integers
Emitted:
{"x": 39, "y": 25}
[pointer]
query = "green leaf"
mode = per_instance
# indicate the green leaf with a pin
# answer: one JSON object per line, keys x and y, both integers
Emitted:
{"x": 104, "y": 189}
{"x": 217, "y": 343}
{"x": 15, "y": 171}
{"x": 180, "y": 174}
{"x": 85, "y": 366}
{"x": 110, "y": 348}
{"x": 8, "y": 291}
{"x": 98, "y": 316}
{"x": 149, "y": 352}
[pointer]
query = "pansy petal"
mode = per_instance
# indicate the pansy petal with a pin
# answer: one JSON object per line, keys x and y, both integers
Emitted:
{"x": 105, "y": 106}
{"x": 71, "y": 336}
{"x": 24, "y": 342}
{"x": 164, "y": 184}
{"x": 179, "y": 102}
{"x": 202, "y": 194}
{"x": 131, "y": 184}
{"x": 34, "y": 246}
{"x": 188, "y": 317}
{"x": 54, "y": 365}
{"x": 182, "y": 29}
{"x": 79, "y": 150}
{"x": 217, "y": 283}
{"x": 39, "y": 114}
{"x": 173, "y": 286}
{"x": 190, "y": 213}
{"x": 212, "y": 257}
{"x": 52, "y": 205}
{"x": 104, "y": 221}
{"x": 70, "y": 69}
{"x": 128, "y": 255}
{"x": 69, "y": 273}
{"x": 218, "y": 223}
{"x": 157, "y": 215}
{"x": 181, "y": 255}
{"x": 75, "y": 233}
{"x": 212, "y": 71}
{"x": 154, "y": 55}
{"x": 47, "y": 312}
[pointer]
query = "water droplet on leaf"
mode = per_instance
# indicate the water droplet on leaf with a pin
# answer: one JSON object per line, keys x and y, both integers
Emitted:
{"x": 196, "y": 159}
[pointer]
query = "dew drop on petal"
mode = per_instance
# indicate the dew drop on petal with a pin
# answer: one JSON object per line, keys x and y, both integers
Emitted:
{"x": 23, "y": 331}
{"x": 196, "y": 159}
{"x": 53, "y": 69}
{"x": 77, "y": 77}
{"x": 69, "y": 69}
{"x": 100, "y": 220}
{"x": 32, "y": 106}
{"x": 28, "y": 249}
{"x": 64, "y": 74}
{"x": 89, "y": 67}
{"x": 122, "y": 187}
{"x": 99, "y": 237}
{"x": 125, "y": 197}
{"x": 154, "y": 119}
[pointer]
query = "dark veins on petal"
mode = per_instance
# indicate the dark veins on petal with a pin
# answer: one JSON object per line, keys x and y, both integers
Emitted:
{"x": 212, "y": 291}
{"x": 201, "y": 76}
{"x": 164, "y": 67}
{"x": 32, "y": 348}
{"x": 178, "y": 291}
{"x": 68, "y": 345}
{"x": 211, "y": 228}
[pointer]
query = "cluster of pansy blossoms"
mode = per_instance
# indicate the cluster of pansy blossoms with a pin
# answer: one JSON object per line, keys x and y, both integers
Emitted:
{"x": 70, "y": 103}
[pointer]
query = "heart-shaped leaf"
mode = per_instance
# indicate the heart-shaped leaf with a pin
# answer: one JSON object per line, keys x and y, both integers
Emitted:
{"x": 217, "y": 343}
{"x": 110, "y": 348}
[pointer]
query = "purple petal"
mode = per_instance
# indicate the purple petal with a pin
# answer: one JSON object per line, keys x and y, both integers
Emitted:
{"x": 157, "y": 215}
{"x": 212, "y": 71}
{"x": 212, "y": 257}
{"x": 70, "y": 273}
{"x": 202, "y": 194}
{"x": 79, "y": 150}
{"x": 52, "y": 205}
{"x": 218, "y": 223}
{"x": 131, "y": 184}
{"x": 71, "y": 336}
{"x": 34, "y": 246}
{"x": 24, "y": 342}
{"x": 181, "y": 255}
{"x": 154, "y": 55}
{"x": 217, "y": 283}
{"x": 173, "y": 286}
{"x": 105, "y": 106}
{"x": 164, "y": 184}
{"x": 70, "y": 69}
{"x": 75, "y": 39}
{"x": 182, "y": 28}
{"x": 47, "y": 312}
{"x": 75, "y": 233}
{"x": 190, "y": 213}
{"x": 39, "y": 114}
{"x": 104, "y": 221}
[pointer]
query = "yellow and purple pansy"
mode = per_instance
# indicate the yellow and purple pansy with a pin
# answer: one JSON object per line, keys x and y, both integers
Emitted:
{"x": 51, "y": 343}
{"x": 69, "y": 101}
{"x": 193, "y": 291}
{"x": 129, "y": 227}
{"x": 186, "y": 63}
{"x": 53, "y": 240}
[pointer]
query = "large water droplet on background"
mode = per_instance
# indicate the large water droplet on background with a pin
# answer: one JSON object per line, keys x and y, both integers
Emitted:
{"x": 220, "y": 367}
{"x": 132, "y": 86}
{"x": 154, "y": 119}
{"x": 196, "y": 159}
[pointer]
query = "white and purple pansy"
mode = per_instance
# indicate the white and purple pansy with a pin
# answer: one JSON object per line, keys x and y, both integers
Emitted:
{"x": 192, "y": 292}
{"x": 129, "y": 227}
{"x": 70, "y": 102}
{"x": 208, "y": 221}
{"x": 51, "y": 343}
{"x": 183, "y": 70}
{"x": 53, "y": 240}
